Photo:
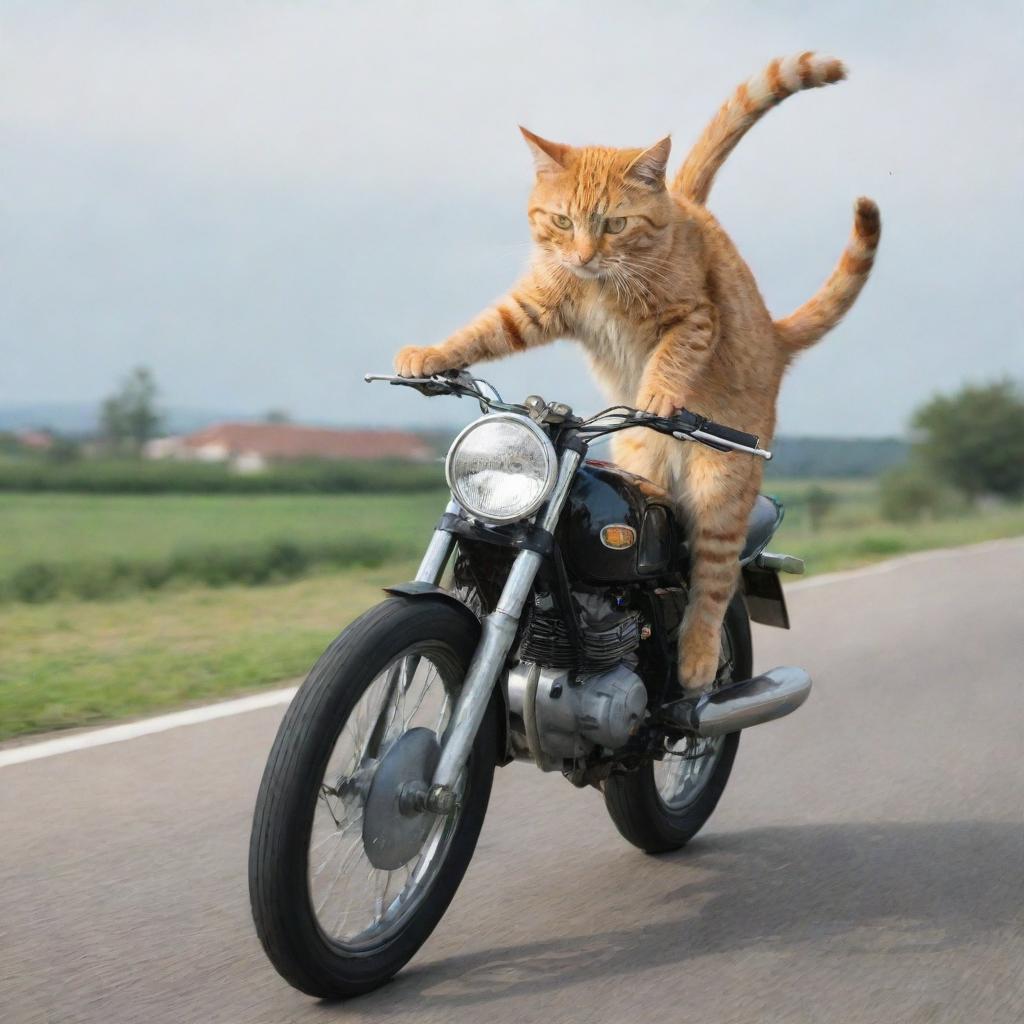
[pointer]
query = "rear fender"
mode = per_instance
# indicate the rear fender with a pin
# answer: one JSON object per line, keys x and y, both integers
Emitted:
{"x": 763, "y": 592}
{"x": 431, "y": 592}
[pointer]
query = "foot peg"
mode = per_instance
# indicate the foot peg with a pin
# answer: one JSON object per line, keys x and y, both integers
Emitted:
{"x": 740, "y": 705}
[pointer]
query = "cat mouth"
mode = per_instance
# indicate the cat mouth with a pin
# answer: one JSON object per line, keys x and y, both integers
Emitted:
{"x": 585, "y": 272}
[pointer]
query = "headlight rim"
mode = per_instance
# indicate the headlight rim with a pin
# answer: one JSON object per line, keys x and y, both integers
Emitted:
{"x": 550, "y": 461}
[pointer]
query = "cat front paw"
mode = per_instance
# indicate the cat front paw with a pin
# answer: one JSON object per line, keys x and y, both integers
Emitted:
{"x": 416, "y": 361}
{"x": 658, "y": 402}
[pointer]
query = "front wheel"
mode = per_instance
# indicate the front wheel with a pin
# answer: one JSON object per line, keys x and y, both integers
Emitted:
{"x": 346, "y": 881}
{"x": 664, "y": 803}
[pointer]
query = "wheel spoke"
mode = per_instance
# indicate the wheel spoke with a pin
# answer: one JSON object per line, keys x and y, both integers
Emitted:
{"x": 441, "y": 714}
{"x": 325, "y": 797}
{"x": 356, "y": 845}
{"x": 354, "y": 901}
{"x": 419, "y": 703}
{"x": 380, "y": 897}
{"x": 342, "y": 831}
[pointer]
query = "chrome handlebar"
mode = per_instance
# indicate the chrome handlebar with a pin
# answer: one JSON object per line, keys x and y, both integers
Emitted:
{"x": 684, "y": 426}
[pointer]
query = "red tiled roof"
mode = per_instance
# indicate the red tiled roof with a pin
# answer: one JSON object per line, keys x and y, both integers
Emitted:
{"x": 39, "y": 439}
{"x": 289, "y": 441}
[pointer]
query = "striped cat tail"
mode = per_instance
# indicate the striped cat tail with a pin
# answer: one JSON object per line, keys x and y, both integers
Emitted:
{"x": 746, "y": 106}
{"x": 817, "y": 316}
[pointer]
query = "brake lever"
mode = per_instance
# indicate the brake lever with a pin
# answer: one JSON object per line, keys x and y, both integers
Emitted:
{"x": 459, "y": 383}
{"x": 690, "y": 426}
{"x": 429, "y": 386}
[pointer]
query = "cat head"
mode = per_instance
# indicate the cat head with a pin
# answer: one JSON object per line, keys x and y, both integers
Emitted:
{"x": 599, "y": 212}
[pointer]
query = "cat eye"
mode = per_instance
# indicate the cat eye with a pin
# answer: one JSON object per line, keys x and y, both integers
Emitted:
{"x": 561, "y": 221}
{"x": 613, "y": 225}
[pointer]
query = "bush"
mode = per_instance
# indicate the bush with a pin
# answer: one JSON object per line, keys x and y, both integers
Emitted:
{"x": 909, "y": 493}
{"x": 35, "y": 583}
{"x": 880, "y": 544}
{"x": 123, "y": 476}
{"x": 64, "y": 450}
{"x": 249, "y": 565}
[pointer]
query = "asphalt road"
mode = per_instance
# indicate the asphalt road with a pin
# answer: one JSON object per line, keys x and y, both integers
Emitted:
{"x": 866, "y": 863}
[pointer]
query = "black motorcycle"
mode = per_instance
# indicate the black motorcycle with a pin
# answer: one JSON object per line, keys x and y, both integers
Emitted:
{"x": 553, "y": 641}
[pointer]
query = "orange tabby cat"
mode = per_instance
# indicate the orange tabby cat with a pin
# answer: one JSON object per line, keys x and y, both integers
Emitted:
{"x": 670, "y": 317}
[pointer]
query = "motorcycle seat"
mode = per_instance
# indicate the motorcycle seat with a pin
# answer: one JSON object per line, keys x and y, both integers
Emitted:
{"x": 764, "y": 520}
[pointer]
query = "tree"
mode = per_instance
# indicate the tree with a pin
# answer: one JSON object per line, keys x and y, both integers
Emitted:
{"x": 64, "y": 449}
{"x": 128, "y": 418}
{"x": 277, "y": 416}
{"x": 819, "y": 503}
{"x": 974, "y": 439}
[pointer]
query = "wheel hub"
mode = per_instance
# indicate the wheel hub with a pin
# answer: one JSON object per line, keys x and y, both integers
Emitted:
{"x": 393, "y": 829}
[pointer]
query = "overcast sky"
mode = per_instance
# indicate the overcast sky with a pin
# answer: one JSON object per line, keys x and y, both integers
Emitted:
{"x": 261, "y": 201}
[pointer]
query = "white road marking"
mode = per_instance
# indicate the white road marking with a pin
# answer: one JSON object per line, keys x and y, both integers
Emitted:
{"x": 145, "y": 727}
{"x": 273, "y": 698}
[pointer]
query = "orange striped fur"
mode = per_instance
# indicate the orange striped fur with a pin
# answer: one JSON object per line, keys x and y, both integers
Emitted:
{"x": 743, "y": 109}
{"x": 816, "y": 317}
{"x": 748, "y": 104}
{"x": 669, "y": 316}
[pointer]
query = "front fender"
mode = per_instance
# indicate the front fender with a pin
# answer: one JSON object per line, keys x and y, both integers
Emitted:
{"x": 431, "y": 592}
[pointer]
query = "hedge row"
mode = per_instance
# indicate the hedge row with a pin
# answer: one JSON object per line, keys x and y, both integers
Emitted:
{"x": 251, "y": 565}
{"x": 141, "y": 477}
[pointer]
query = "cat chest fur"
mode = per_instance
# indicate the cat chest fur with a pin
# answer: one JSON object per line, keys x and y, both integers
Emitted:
{"x": 618, "y": 346}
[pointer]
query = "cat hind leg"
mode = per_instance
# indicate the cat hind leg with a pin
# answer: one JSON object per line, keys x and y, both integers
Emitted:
{"x": 718, "y": 503}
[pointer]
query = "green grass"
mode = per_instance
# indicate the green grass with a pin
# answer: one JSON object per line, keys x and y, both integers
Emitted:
{"x": 75, "y": 663}
{"x": 103, "y": 546}
{"x": 139, "y": 476}
{"x": 76, "y": 527}
{"x": 844, "y": 547}
{"x": 856, "y": 502}
{"x": 853, "y": 533}
{"x": 71, "y": 663}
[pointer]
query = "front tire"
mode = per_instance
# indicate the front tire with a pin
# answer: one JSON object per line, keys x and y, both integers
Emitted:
{"x": 640, "y": 802}
{"x": 316, "y": 948}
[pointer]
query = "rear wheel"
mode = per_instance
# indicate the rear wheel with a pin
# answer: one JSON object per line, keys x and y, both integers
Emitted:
{"x": 664, "y": 803}
{"x": 345, "y": 883}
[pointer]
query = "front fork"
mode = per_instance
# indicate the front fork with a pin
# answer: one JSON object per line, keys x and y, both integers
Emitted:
{"x": 497, "y": 634}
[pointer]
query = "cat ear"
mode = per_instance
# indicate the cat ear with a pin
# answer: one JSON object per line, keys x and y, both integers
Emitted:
{"x": 649, "y": 166}
{"x": 548, "y": 157}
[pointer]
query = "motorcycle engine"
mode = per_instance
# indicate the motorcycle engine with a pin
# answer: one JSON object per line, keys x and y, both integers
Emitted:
{"x": 577, "y": 693}
{"x": 606, "y": 632}
{"x": 576, "y": 713}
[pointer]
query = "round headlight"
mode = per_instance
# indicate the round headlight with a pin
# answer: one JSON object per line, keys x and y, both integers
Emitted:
{"x": 501, "y": 468}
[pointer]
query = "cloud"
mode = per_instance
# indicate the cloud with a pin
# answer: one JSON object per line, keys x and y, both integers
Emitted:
{"x": 281, "y": 192}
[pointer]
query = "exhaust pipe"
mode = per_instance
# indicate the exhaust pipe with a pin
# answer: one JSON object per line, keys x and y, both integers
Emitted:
{"x": 740, "y": 705}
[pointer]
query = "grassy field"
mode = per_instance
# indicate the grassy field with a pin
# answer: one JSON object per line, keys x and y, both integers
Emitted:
{"x": 104, "y": 546}
{"x": 74, "y": 663}
{"x": 77, "y": 527}
{"x": 69, "y": 662}
{"x": 853, "y": 533}
{"x": 860, "y": 543}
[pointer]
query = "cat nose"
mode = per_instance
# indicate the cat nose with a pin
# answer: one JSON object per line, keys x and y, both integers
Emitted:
{"x": 585, "y": 252}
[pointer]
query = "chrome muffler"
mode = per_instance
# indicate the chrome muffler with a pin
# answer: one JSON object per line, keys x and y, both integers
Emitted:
{"x": 740, "y": 705}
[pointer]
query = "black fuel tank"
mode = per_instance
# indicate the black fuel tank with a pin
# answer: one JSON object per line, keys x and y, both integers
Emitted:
{"x": 602, "y": 496}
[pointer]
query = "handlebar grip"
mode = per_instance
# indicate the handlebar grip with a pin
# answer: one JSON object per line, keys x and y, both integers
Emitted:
{"x": 691, "y": 421}
{"x": 730, "y": 434}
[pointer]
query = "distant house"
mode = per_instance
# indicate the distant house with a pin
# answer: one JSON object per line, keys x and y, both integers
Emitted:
{"x": 36, "y": 440}
{"x": 250, "y": 447}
